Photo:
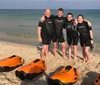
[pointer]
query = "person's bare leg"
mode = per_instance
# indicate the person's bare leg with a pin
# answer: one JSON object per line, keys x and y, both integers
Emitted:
{"x": 69, "y": 51}
{"x": 64, "y": 50}
{"x": 75, "y": 52}
{"x": 87, "y": 54}
{"x": 47, "y": 50}
{"x": 83, "y": 53}
{"x": 55, "y": 48}
{"x": 43, "y": 51}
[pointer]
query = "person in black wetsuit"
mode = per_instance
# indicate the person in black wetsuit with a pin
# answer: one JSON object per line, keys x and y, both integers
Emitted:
{"x": 45, "y": 32}
{"x": 58, "y": 37}
{"x": 86, "y": 37}
{"x": 58, "y": 34}
{"x": 72, "y": 34}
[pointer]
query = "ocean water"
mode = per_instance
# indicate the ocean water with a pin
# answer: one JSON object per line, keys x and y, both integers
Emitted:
{"x": 23, "y": 22}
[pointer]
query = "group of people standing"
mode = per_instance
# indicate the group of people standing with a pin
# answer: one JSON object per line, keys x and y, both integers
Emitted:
{"x": 50, "y": 28}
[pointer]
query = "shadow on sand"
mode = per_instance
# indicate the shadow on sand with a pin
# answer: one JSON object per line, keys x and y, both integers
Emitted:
{"x": 59, "y": 50}
{"x": 36, "y": 81}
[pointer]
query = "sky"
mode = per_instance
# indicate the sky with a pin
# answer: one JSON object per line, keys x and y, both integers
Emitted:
{"x": 52, "y": 4}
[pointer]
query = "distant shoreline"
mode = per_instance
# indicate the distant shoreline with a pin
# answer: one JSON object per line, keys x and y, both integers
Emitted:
{"x": 44, "y": 9}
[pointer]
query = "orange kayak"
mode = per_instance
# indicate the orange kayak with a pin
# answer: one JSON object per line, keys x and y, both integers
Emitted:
{"x": 10, "y": 63}
{"x": 31, "y": 70}
{"x": 67, "y": 75}
{"x": 97, "y": 80}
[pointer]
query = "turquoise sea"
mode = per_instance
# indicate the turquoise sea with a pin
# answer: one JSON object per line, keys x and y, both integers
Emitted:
{"x": 23, "y": 22}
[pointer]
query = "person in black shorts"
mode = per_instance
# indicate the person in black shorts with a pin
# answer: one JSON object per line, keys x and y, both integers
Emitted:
{"x": 86, "y": 37}
{"x": 45, "y": 32}
{"x": 72, "y": 34}
{"x": 58, "y": 37}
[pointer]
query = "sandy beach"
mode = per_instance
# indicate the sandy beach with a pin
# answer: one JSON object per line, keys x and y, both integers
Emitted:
{"x": 87, "y": 72}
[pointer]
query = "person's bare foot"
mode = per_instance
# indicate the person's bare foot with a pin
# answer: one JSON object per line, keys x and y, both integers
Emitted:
{"x": 65, "y": 57}
{"x": 42, "y": 58}
{"x": 76, "y": 62}
{"x": 69, "y": 58}
{"x": 47, "y": 55}
{"x": 55, "y": 54}
{"x": 84, "y": 60}
{"x": 75, "y": 59}
{"x": 88, "y": 61}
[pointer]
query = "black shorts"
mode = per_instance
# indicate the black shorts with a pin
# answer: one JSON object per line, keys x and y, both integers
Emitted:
{"x": 85, "y": 42}
{"x": 72, "y": 40}
{"x": 46, "y": 39}
{"x": 58, "y": 39}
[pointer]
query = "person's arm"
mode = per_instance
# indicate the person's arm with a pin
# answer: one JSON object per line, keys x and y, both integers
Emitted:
{"x": 42, "y": 18}
{"x": 91, "y": 40}
{"x": 90, "y": 31}
{"x": 89, "y": 23}
{"x": 39, "y": 31}
{"x": 39, "y": 34}
{"x": 91, "y": 34}
{"x": 75, "y": 21}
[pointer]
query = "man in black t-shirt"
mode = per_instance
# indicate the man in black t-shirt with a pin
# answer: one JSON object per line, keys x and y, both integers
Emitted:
{"x": 45, "y": 32}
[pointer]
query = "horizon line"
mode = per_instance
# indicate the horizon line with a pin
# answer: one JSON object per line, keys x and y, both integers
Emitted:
{"x": 51, "y": 9}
